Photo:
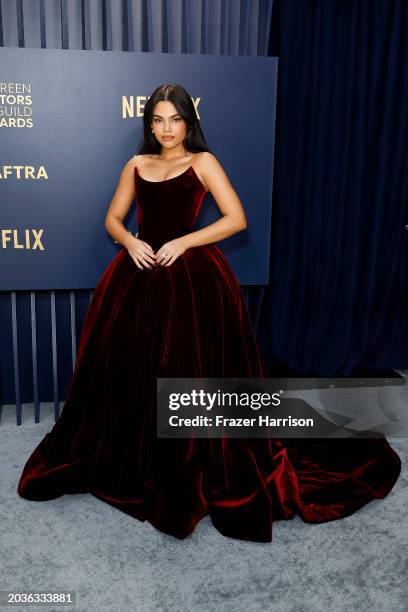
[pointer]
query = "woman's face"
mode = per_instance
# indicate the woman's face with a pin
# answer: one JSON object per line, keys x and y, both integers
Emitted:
{"x": 167, "y": 125}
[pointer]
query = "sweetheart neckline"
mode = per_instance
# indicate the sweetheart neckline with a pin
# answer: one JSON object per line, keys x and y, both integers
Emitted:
{"x": 172, "y": 177}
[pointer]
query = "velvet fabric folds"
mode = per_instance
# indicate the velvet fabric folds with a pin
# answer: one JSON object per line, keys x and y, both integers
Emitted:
{"x": 186, "y": 320}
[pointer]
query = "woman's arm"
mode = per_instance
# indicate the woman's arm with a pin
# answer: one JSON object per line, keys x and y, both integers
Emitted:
{"x": 140, "y": 251}
{"x": 233, "y": 219}
{"x": 119, "y": 206}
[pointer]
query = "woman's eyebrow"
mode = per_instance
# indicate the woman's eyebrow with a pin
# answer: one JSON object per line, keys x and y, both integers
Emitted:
{"x": 161, "y": 117}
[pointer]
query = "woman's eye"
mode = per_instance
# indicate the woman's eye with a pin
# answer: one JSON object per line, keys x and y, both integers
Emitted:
{"x": 157, "y": 120}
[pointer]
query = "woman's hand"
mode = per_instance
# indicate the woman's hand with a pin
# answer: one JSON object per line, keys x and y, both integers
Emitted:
{"x": 141, "y": 252}
{"x": 169, "y": 251}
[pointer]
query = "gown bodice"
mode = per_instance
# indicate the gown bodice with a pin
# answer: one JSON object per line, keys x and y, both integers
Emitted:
{"x": 167, "y": 209}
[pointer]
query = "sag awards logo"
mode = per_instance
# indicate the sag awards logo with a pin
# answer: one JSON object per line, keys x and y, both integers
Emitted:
{"x": 15, "y": 105}
{"x": 133, "y": 106}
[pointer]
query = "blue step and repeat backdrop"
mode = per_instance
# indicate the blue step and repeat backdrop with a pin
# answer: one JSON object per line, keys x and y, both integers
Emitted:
{"x": 69, "y": 122}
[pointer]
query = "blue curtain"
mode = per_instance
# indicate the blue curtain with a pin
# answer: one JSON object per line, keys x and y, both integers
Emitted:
{"x": 337, "y": 297}
{"x": 233, "y": 27}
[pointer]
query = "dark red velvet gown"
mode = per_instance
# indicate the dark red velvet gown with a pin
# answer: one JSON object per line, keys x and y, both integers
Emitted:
{"x": 186, "y": 320}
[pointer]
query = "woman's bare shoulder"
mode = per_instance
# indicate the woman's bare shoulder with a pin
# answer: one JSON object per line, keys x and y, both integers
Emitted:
{"x": 203, "y": 155}
{"x": 138, "y": 160}
{"x": 206, "y": 163}
{"x": 205, "y": 160}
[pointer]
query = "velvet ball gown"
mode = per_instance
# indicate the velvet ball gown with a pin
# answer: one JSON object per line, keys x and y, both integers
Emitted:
{"x": 188, "y": 319}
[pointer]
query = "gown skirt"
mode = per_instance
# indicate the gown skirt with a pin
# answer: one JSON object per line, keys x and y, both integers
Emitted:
{"x": 188, "y": 319}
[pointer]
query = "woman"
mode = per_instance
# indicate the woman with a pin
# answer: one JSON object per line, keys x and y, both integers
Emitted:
{"x": 169, "y": 305}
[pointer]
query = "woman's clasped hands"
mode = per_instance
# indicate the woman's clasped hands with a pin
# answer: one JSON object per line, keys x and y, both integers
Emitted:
{"x": 144, "y": 256}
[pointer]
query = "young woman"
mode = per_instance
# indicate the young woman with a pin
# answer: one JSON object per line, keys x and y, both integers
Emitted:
{"x": 169, "y": 305}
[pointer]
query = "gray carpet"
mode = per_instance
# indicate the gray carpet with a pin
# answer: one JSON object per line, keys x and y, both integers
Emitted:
{"x": 116, "y": 563}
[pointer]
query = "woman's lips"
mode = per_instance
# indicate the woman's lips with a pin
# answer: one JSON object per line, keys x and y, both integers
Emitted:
{"x": 167, "y": 137}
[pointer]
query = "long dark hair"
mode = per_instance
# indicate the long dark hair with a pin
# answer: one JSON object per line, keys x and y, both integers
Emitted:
{"x": 194, "y": 140}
